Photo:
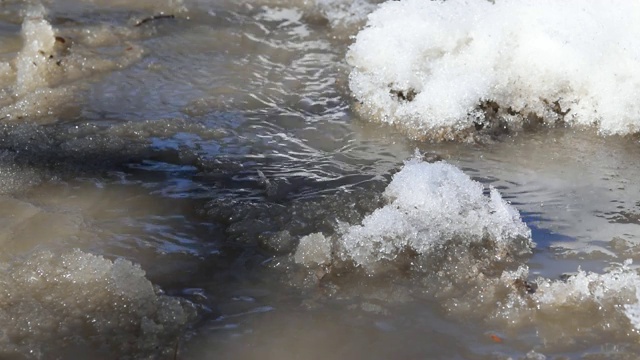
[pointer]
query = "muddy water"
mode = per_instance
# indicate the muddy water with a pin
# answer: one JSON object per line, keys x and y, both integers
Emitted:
{"x": 160, "y": 162}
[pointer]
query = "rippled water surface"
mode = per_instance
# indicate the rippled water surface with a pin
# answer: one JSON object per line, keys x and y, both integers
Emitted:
{"x": 160, "y": 162}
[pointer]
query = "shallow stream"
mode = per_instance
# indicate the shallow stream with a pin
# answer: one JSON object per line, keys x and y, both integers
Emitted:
{"x": 205, "y": 179}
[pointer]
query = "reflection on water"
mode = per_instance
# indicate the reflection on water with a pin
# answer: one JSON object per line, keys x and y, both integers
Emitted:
{"x": 204, "y": 146}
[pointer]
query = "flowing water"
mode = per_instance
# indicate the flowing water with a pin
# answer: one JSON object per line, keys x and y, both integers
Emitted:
{"x": 267, "y": 180}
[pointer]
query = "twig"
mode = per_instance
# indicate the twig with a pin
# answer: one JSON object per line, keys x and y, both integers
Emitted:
{"x": 153, "y": 18}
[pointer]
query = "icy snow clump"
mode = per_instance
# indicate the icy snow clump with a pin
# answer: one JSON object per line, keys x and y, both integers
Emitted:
{"x": 430, "y": 204}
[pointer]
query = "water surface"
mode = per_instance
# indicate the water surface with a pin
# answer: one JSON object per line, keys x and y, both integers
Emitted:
{"x": 157, "y": 173}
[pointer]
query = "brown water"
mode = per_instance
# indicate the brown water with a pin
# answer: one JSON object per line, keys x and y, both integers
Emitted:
{"x": 157, "y": 173}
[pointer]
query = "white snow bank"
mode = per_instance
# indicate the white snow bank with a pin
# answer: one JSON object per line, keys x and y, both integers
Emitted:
{"x": 431, "y": 66}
